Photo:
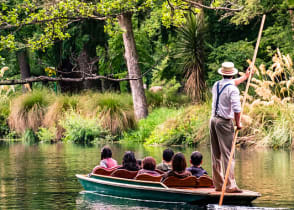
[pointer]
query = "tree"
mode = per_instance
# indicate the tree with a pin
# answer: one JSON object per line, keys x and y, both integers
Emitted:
{"x": 191, "y": 50}
{"x": 55, "y": 17}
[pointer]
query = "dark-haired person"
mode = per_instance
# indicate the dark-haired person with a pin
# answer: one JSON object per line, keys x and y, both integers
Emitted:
{"x": 196, "y": 161}
{"x": 106, "y": 159}
{"x": 166, "y": 161}
{"x": 178, "y": 167}
{"x": 129, "y": 162}
{"x": 149, "y": 165}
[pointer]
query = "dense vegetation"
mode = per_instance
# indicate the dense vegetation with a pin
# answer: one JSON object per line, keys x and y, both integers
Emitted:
{"x": 178, "y": 48}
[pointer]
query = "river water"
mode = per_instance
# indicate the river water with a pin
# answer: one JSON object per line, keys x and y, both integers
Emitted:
{"x": 42, "y": 176}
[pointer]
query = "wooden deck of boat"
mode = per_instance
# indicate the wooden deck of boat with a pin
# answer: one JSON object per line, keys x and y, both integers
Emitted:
{"x": 211, "y": 191}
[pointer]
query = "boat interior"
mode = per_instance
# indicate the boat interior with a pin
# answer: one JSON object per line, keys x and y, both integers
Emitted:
{"x": 190, "y": 182}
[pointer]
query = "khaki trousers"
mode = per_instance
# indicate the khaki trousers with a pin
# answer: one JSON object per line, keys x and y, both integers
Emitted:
{"x": 221, "y": 138}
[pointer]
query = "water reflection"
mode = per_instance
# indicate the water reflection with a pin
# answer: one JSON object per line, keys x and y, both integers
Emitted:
{"x": 88, "y": 200}
{"x": 43, "y": 176}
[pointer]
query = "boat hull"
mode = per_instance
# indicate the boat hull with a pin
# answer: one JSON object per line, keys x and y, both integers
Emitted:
{"x": 130, "y": 189}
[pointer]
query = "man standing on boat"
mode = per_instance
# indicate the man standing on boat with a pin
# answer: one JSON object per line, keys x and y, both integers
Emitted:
{"x": 226, "y": 107}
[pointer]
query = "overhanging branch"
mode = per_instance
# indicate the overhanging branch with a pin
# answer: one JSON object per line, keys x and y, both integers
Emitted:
{"x": 61, "y": 79}
{"x": 199, "y": 5}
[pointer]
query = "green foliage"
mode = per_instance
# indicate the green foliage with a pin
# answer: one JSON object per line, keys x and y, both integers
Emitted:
{"x": 81, "y": 130}
{"x": 36, "y": 98}
{"x": 30, "y": 137}
{"x": 189, "y": 126}
{"x": 27, "y": 111}
{"x": 115, "y": 112}
{"x": 279, "y": 135}
{"x": 190, "y": 49}
{"x": 47, "y": 134}
{"x": 236, "y": 52}
{"x": 4, "y": 113}
{"x": 146, "y": 126}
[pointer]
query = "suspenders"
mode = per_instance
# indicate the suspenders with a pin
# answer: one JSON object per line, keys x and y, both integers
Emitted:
{"x": 218, "y": 95}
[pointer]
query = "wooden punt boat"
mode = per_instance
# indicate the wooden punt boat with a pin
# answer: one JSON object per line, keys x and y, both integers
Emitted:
{"x": 157, "y": 191}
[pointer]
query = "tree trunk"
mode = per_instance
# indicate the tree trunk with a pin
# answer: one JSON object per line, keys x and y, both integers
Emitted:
{"x": 86, "y": 70}
{"x": 24, "y": 68}
{"x": 131, "y": 56}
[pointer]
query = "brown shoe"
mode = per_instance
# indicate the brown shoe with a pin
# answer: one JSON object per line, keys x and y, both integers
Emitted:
{"x": 234, "y": 190}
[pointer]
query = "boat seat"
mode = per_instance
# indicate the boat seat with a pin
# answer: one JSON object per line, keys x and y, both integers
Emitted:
{"x": 190, "y": 181}
{"x": 103, "y": 171}
{"x": 123, "y": 173}
{"x": 159, "y": 171}
{"x": 148, "y": 177}
{"x": 204, "y": 181}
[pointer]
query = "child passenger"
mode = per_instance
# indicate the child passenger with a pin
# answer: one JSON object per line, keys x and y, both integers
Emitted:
{"x": 106, "y": 159}
{"x": 196, "y": 161}
{"x": 166, "y": 164}
{"x": 149, "y": 164}
{"x": 178, "y": 167}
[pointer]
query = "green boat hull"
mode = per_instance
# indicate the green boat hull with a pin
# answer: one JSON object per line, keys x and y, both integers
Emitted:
{"x": 154, "y": 191}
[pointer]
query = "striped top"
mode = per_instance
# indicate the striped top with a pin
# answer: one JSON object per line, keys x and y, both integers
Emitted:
{"x": 229, "y": 100}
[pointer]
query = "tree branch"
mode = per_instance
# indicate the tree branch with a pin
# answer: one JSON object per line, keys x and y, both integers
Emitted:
{"x": 199, "y": 5}
{"x": 60, "y": 79}
{"x": 8, "y": 26}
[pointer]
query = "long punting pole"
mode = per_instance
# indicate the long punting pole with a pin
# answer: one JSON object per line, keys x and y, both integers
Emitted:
{"x": 243, "y": 104}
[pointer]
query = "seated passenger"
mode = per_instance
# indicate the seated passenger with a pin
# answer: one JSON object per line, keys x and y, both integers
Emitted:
{"x": 196, "y": 161}
{"x": 178, "y": 168}
{"x": 149, "y": 167}
{"x": 106, "y": 159}
{"x": 139, "y": 164}
{"x": 166, "y": 161}
{"x": 129, "y": 162}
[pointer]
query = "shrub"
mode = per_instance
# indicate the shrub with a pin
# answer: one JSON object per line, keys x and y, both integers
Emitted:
{"x": 189, "y": 126}
{"x": 236, "y": 52}
{"x": 27, "y": 111}
{"x": 47, "y": 134}
{"x": 115, "y": 111}
{"x": 56, "y": 112}
{"x": 146, "y": 126}
{"x": 4, "y": 114}
{"x": 81, "y": 130}
{"x": 30, "y": 137}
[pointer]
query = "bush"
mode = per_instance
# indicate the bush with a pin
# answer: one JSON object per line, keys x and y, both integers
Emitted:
{"x": 115, "y": 111}
{"x": 81, "y": 130}
{"x": 27, "y": 111}
{"x": 4, "y": 114}
{"x": 236, "y": 52}
{"x": 146, "y": 126}
{"x": 30, "y": 136}
{"x": 47, "y": 134}
{"x": 189, "y": 126}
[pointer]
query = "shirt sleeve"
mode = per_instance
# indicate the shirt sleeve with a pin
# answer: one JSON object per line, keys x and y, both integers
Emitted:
{"x": 103, "y": 164}
{"x": 235, "y": 100}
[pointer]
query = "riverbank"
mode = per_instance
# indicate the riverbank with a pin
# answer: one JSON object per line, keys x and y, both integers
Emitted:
{"x": 92, "y": 117}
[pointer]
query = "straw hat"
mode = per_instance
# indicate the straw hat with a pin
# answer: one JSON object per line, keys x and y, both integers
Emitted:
{"x": 227, "y": 69}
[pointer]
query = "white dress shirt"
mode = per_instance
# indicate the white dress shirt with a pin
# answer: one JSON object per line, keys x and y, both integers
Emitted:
{"x": 229, "y": 100}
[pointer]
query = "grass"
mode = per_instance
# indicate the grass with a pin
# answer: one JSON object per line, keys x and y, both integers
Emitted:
{"x": 146, "y": 126}
{"x": 115, "y": 111}
{"x": 28, "y": 110}
{"x": 189, "y": 126}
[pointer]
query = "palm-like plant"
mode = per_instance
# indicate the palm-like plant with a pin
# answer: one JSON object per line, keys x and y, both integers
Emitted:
{"x": 191, "y": 50}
